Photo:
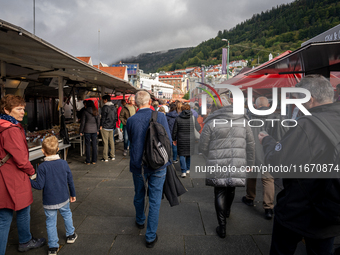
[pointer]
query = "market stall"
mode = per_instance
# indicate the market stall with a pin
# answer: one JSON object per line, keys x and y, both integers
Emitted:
{"x": 45, "y": 75}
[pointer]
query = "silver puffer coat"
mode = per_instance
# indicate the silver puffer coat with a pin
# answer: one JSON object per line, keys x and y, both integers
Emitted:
{"x": 228, "y": 148}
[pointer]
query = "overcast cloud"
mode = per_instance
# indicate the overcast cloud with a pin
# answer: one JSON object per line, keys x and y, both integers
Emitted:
{"x": 129, "y": 27}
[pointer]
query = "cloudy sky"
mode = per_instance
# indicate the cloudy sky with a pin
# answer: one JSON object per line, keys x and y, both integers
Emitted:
{"x": 129, "y": 27}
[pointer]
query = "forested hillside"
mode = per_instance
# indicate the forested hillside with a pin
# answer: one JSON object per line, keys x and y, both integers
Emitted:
{"x": 282, "y": 28}
{"x": 150, "y": 62}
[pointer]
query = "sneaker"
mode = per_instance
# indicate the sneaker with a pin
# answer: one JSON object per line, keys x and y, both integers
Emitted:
{"x": 247, "y": 201}
{"x": 175, "y": 161}
{"x": 183, "y": 175}
{"x": 53, "y": 251}
{"x": 86, "y": 163}
{"x": 31, "y": 244}
{"x": 188, "y": 171}
{"x": 140, "y": 226}
{"x": 125, "y": 152}
{"x": 105, "y": 160}
{"x": 268, "y": 214}
{"x": 152, "y": 244}
{"x": 72, "y": 238}
{"x": 113, "y": 158}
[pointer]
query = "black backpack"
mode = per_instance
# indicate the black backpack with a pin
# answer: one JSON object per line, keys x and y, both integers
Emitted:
{"x": 328, "y": 209}
{"x": 157, "y": 147}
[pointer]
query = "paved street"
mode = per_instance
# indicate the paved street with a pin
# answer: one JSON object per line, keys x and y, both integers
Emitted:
{"x": 104, "y": 217}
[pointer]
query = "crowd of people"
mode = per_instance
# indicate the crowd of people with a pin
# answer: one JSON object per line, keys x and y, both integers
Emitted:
{"x": 296, "y": 214}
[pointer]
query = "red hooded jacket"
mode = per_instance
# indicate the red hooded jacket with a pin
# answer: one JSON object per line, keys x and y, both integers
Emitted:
{"x": 15, "y": 185}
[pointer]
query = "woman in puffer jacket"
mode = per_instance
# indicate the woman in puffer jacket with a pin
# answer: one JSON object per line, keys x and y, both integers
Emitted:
{"x": 226, "y": 146}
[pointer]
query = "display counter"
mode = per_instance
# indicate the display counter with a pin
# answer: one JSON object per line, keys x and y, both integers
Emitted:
{"x": 36, "y": 153}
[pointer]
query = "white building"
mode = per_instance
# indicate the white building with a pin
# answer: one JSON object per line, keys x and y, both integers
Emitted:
{"x": 159, "y": 89}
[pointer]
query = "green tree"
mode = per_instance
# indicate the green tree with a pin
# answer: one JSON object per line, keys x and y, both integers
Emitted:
{"x": 186, "y": 96}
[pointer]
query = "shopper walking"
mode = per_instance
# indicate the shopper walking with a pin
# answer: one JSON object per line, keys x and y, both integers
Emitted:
{"x": 127, "y": 111}
{"x": 183, "y": 135}
{"x": 225, "y": 145}
{"x": 296, "y": 212}
{"x": 277, "y": 131}
{"x": 136, "y": 127}
{"x": 15, "y": 187}
{"x": 107, "y": 127}
{"x": 171, "y": 118}
{"x": 89, "y": 127}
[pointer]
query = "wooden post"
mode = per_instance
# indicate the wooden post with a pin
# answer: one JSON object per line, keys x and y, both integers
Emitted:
{"x": 74, "y": 105}
{"x": 3, "y": 75}
{"x": 61, "y": 96}
{"x": 102, "y": 92}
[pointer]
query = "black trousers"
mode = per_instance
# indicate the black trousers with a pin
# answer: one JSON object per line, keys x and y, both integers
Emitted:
{"x": 224, "y": 197}
{"x": 284, "y": 242}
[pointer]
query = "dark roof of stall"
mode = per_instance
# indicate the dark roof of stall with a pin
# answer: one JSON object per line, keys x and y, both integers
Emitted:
{"x": 26, "y": 56}
{"x": 313, "y": 58}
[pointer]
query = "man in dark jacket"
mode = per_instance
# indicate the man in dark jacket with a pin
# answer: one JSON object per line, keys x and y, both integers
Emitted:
{"x": 276, "y": 130}
{"x": 107, "y": 127}
{"x": 136, "y": 127}
{"x": 295, "y": 214}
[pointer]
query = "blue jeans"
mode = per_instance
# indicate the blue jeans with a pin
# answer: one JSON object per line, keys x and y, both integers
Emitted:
{"x": 126, "y": 138}
{"x": 284, "y": 242}
{"x": 51, "y": 224}
{"x": 155, "y": 184}
{"x": 174, "y": 152}
{"x": 185, "y": 163}
{"x": 23, "y": 226}
{"x": 91, "y": 139}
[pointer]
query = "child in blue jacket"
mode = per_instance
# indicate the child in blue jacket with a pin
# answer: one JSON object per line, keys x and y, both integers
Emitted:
{"x": 54, "y": 177}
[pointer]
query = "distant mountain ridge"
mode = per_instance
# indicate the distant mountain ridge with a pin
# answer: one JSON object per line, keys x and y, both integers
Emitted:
{"x": 150, "y": 62}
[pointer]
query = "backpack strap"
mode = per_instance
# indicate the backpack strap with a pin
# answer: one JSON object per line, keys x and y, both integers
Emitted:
{"x": 325, "y": 127}
{"x": 333, "y": 136}
{"x": 154, "y": 116}
{"x": 4, "y": 160}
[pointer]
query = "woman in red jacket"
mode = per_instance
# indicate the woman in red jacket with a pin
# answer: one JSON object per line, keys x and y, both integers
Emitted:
{"x": 15, "y": 186}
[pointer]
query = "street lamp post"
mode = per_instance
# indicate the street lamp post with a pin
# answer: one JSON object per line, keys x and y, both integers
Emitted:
{"x": 226, "y": 40}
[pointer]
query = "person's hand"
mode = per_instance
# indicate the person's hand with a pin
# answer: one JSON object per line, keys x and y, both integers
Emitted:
{"x": 100, "y": 127}
{"x": 261, "y": 136}
{"x": 81, "y": 134}
{"x": 73, "y": 199}
{"x": 97, "y": 133}
{"x": 174, "y": 143}
{"x": 121, "y": 130}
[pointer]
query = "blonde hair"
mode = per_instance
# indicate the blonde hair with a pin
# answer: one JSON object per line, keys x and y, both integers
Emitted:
{"x": 161, "y": 109}
{"x": 179, "y": 106}
{"x": 50, "y": 145}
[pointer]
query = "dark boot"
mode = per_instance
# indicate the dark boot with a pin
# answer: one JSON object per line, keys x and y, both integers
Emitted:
{"x": 220, "y": 208}
{"x": 229, "y": 198}
{"x": 221, "y": 231}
